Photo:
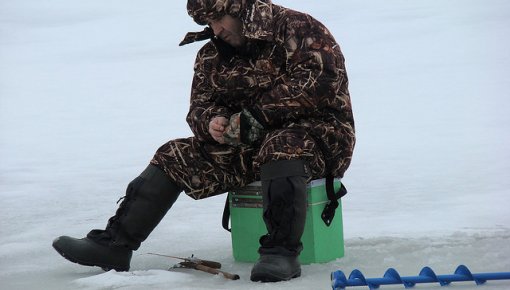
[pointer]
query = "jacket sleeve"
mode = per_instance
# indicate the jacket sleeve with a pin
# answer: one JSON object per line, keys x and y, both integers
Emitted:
{"x": 203, "y": 105}
{"x": 313, "y": 76}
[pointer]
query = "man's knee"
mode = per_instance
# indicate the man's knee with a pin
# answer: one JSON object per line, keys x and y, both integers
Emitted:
{"x": 291, "y": 144}
{"x": 286, "y": 144}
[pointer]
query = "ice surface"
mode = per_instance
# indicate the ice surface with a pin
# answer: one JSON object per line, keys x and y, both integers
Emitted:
{"x": 90, "y": 89}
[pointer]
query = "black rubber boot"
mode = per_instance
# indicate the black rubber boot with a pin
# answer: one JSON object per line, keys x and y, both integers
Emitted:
{"x": 88, "y": 252}
{"x": 148, "y": 198}
{"x": 284, "y": 201}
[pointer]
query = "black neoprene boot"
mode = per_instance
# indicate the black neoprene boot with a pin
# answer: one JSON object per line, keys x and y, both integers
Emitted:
{"x": 148, "y": 198}
{"x": 284, "y": 204}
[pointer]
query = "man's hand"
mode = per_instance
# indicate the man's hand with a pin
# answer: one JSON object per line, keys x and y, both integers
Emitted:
{"x": 232, "y": 134}
{"x": 243, "y": 128}
{"x": 217, "y": 128}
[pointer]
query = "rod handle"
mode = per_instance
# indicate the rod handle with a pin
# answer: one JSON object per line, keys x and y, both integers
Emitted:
{"x": 215, "y": 271}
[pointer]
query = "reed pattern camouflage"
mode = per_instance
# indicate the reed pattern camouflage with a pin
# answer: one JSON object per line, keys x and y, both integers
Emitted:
{"x": 290, "y": 78}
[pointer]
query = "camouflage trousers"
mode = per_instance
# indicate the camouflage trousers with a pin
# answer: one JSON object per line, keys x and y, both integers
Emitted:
{"x": 206, "y": 169}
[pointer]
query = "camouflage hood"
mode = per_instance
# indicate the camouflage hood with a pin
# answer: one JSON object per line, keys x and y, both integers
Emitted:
{"x": 204, "y": 10}
{"x": 256, "y": 15}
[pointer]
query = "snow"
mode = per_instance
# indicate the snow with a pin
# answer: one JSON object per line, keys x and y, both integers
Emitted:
{"x": 90, "y": 89}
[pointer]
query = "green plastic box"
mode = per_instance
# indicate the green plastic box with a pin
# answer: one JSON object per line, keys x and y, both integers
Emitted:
{"x": 320, "y": 243}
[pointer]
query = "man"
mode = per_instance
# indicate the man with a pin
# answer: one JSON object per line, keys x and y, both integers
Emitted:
{"x": 269, "y": 102}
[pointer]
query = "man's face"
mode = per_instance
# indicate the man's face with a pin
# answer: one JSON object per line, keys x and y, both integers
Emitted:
{"x": 229, "y": 29}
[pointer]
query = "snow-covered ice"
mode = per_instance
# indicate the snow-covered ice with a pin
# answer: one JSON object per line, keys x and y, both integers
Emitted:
{"x": 90, "y": 89}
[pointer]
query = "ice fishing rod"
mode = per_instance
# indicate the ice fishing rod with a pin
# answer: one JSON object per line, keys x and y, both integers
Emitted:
{"x": 192, "y": 259}
{"x": 207, "y": 266}
{"x": 427, "y": 275}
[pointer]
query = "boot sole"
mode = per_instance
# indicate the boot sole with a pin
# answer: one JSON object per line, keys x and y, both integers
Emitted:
{"x": 270, "y": 277}
{"x": 77, "y": 261}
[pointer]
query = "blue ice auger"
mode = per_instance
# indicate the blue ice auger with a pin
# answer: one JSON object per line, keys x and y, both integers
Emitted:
{"x": 462, "y": 273}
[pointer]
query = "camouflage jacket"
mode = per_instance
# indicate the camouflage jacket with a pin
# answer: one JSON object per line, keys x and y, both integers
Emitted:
{"x": 290, "y": 74}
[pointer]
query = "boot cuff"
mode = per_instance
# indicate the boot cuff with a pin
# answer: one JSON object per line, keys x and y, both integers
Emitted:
{"x": 284, "y": 168}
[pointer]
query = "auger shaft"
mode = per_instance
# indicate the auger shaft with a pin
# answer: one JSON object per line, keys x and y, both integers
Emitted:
{"x": 427, "y": 275}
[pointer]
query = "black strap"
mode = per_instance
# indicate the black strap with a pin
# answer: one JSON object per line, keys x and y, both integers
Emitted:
{"x": 329, "y": 210}
{"x": 226, "y": 214}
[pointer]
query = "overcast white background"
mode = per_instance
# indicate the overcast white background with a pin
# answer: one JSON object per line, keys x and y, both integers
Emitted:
{"x": 90, "y": 89}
